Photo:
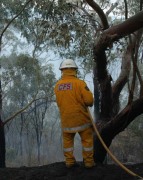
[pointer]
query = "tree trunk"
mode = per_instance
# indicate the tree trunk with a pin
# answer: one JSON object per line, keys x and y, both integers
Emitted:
{"x": 2, "y": 134}
{"x": 2, "y": 145}
{"x": 110, "y": 122}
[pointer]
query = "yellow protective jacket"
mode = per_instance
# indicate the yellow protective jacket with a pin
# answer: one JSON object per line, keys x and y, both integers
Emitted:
{"x": 73, "y": 97}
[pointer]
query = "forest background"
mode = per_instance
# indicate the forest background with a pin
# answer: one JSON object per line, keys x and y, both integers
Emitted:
{"x": 32, "y": 49}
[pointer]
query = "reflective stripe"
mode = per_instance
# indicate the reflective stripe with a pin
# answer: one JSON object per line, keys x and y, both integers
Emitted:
{"x": 87, "y": 148}
{"x": 78, "y": 128}
{"x": 68, "y": 149}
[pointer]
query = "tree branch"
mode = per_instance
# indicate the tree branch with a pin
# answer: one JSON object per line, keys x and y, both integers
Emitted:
{"x": 12, "y": 21}
{"x": 122, "y": 79}
{"x": 111, "y": 8}
{"x": 127, "y": 27}
{"x": 20, "y": 111}
{"x": 126, "y": 9}
{"x": 123, "y": 119}
{"x": 106, "y": 39}
{"x": 100, "y": 12}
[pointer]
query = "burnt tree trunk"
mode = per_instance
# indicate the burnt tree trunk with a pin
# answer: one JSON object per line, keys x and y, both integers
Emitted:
{"x": 110, "y": 122}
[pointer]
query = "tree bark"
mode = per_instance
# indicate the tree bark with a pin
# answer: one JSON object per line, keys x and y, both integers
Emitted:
{"x": 115, "y": 126}
{"x": 110, "y": 123}
{"x": 100, "y": 13}
{"x": 2, "y": 134}
{"x": 2, "y": 145}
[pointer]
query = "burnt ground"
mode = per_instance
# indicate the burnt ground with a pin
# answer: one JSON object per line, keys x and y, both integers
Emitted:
{"x": 58, "y": 171}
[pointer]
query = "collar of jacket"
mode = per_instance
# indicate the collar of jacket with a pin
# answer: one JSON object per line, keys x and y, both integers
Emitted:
{"x": 69, "y": 72}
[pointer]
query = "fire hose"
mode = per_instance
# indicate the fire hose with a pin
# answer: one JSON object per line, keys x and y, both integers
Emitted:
{"x": 110, "y": 153}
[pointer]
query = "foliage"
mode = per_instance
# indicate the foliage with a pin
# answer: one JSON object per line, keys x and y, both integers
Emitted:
{"x": 22, "y": 77}
{"x": 49, "y": 25}
{"x": 63, "y": 27}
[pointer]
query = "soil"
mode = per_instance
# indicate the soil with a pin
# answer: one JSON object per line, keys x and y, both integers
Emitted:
{"x": 58, "y": 171}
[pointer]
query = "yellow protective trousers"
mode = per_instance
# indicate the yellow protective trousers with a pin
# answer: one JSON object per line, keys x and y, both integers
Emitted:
{"x": 87, "y": 147}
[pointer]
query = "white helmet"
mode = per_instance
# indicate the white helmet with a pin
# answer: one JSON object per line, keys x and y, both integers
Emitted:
{"x": 68, "y": 63}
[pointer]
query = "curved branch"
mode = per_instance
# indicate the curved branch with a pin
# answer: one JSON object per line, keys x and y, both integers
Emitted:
{"x": 20, "y": 111}
{"x": 100, "y": 12}
{"x": 106, "y": 39}
{"x": 136, "y": 71}
{"x": 12, "y": 21}
{"x": 122, "y": 80}
{"x": 125, "y": 70}
{"x": 115, "y": 126}
{"x": 109, "y": 36}
{"x": 123, "y": 119}
{"x": 127, "y": 27}
{"x": 127, "y": 115}
{"x": 126, "y": 9}
{"x": 111, "y": 8}
{"x": 123, "y": 77}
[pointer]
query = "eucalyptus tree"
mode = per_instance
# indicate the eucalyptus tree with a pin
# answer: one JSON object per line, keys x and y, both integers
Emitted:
{"x": 24, "y": 77}
{"x": 81, "y": 30}
{"x": 22, "y": 74}
{"x": 45, "y": 99}
{"x": 112, "y": 119}
{"x": 3, "y": 30}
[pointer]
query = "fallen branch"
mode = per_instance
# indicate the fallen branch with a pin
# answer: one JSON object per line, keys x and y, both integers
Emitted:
{"x": 20, "y": 111}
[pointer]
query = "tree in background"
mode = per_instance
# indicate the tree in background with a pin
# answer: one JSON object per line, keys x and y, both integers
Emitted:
{"x": 24, "y": 77}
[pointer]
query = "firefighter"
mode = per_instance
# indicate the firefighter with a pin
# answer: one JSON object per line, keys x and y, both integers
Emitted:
{"x": 73, "y": 97}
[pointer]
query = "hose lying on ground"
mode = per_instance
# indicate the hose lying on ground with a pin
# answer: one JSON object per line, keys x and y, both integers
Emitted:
{"x": 110, "y": 153}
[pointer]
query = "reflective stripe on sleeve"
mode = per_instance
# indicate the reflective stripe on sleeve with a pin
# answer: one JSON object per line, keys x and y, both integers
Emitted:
{"x": 78, "y": 128}
{"x": 68, "y": 149}
{"x": 87, "y": 148}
